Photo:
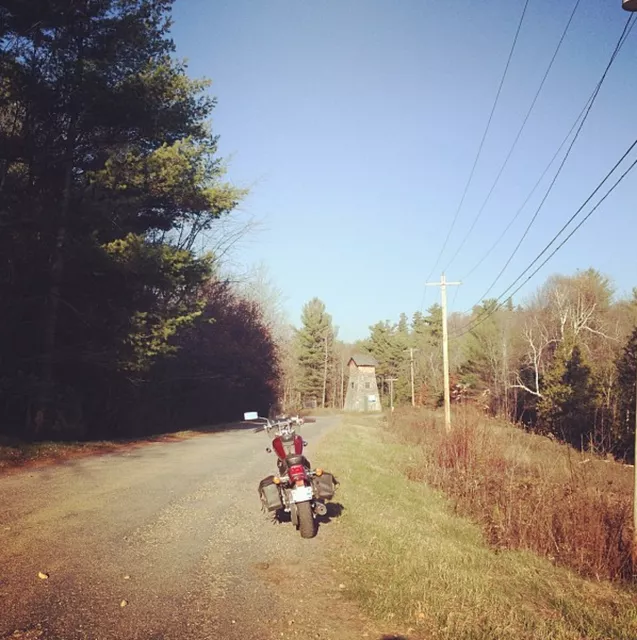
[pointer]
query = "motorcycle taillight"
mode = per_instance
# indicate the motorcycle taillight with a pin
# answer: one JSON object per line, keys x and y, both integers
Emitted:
{"x": 297, "y": 472}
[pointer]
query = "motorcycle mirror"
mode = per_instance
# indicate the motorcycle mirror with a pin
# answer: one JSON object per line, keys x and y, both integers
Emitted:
{"x": 268, "y": 450}
{"x": 305, "y": 443}
{"x": 251, "y": 415}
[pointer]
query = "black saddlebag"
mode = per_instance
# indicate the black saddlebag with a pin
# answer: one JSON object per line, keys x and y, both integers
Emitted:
{"x": 324, "y": 486}
{"x": 270, "y": 494}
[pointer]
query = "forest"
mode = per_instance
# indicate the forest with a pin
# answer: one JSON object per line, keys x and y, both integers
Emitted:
{"x": 113, "y": 321}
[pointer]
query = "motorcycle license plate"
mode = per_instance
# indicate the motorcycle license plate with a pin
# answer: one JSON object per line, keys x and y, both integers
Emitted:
{"x": 301, "y": 494}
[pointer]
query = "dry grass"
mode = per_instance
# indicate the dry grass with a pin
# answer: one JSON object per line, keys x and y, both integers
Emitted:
{"x": 527, "y": 491}
{"x": 428, "y": 573}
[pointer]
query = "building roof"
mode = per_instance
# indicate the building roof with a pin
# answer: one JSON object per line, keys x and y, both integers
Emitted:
{"x": 364, "y": 360}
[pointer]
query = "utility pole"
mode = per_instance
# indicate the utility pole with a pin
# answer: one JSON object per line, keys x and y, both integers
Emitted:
{"x": 443, "y": 284}
{"x": 631, "y": 5}
{"x": 411, "y": 364}
{"x": 391, "y": 392}
{"x": 634, "y": 554}
{"x": 325, "y": 370}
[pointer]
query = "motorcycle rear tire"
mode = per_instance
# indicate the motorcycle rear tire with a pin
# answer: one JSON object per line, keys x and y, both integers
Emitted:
{"x": 307, "y": 524}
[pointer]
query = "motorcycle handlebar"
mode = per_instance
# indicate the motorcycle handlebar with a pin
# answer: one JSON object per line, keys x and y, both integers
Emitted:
{"x": 268, "y": 424}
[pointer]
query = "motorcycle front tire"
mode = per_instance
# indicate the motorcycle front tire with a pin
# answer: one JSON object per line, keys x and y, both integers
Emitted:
{"x": 307, "y": 524}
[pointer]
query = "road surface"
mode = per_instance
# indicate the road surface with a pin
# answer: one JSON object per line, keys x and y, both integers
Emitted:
{"x": 164, "y": 541}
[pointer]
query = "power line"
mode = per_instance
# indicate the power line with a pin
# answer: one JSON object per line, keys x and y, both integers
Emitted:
{"x": 578, "y": 225}
{"x": 624, "y": 35}
{"x": 530, "y": 195}
{"x": 517, "y": 137}
{"x": 480, "y": 147}
{"x": 505, "y": 295}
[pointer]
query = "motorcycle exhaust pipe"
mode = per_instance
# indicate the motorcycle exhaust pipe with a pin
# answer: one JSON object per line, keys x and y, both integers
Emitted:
{"x": 320, "y": 509}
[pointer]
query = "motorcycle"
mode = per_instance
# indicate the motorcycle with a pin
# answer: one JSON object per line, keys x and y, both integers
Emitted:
{"x": 297, "y": 489}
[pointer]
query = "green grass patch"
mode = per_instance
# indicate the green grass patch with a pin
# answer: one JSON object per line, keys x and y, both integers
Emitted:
{"x": 411, "y": 560}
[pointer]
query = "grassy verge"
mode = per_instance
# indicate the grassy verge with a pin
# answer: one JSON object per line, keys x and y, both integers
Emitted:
{"x": 410, "y": 559}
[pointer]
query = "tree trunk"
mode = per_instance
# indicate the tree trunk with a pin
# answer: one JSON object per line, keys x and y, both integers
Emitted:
{"x": 44, "y": 415}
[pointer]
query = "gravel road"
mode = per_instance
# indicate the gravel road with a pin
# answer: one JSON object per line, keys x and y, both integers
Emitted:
{"x": 165, "y": 541}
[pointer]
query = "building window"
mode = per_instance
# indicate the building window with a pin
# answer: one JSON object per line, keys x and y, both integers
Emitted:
{"x": 368, "y": 385}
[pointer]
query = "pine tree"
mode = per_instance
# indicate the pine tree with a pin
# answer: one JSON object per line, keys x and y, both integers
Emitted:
{"x": 627, "y": 381}
{"x": 315, "y": 340}
{"x": 567, "y": 406}
{"x": 426, "y": 337}
{"x": 108, "y": 172}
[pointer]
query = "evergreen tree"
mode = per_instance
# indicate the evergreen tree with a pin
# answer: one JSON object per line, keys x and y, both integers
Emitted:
{"x": 108, "y": 173}
{"x": 627, "y": 382}
{"x": 426, "y": 337}
{"x": 567, "y": 406}
{"x": 315, "y": 340}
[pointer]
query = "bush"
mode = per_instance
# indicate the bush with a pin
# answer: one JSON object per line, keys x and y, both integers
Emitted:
{"x": 527, "y": 491}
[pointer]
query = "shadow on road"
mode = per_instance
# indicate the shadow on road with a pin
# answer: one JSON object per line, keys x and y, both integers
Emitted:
{"x": 393, "y": 638}
{"x": 334, "y": 510}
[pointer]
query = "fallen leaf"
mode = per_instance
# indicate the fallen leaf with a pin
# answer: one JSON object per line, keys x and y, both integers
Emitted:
{"x": 42, "y": 575}
{"x": 126, "y": 577}
{"x": 341, "y": 586}
{"x": 123, "y": 603}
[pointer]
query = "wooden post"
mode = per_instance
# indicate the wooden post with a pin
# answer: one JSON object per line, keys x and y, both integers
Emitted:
{"x": 634, "y": 549}
{"x": 342, "y": 382}
{"x": 443, "y": 284}
{"x": 411, "y": 365}
{"x": 391, "y": 393}
{"x": 325, "y": 372}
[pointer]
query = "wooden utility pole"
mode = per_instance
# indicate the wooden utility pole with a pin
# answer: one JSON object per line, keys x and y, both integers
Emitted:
{"x": 325, "y": 371}
{"x": 634, "y": 554}
{"x": 443, "y": 284}
{"x": 391, "y": 392}
{"x": 411, "y": 365}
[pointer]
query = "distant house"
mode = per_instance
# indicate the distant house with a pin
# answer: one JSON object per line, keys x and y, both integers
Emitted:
{"x": 362, "y": 388}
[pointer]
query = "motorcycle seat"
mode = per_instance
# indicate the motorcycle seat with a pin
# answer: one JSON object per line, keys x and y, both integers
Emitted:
{"x": 294, "y": 459}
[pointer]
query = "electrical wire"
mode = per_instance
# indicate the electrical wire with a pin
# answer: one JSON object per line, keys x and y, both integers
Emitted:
{"x": 505, "y": 295}
{"x": 480, "y": 147}
{"x": 622, "y": 39}
{"x": 517, "y": 137}
{"x": 529, "y": 196}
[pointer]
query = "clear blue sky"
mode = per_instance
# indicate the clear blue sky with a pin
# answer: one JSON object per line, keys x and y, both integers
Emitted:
{"x": 355, "y": 124}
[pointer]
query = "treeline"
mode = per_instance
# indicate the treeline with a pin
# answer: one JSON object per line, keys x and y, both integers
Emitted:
{"x": 112, "y": 323}
{"x": 563, "y": 363}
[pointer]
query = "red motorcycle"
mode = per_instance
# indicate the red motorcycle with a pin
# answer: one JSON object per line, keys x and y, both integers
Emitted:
{"x": 297, "y": 489}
